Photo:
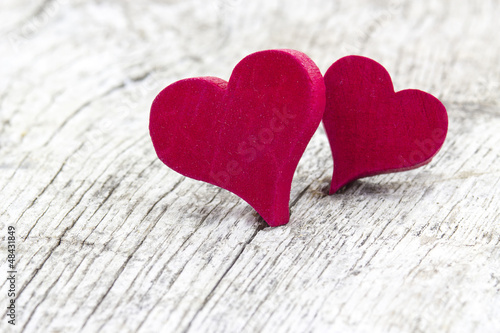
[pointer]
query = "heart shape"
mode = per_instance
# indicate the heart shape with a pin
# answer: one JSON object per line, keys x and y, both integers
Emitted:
{"x": 373, "y": 130}
{"x": 246, "y": 135}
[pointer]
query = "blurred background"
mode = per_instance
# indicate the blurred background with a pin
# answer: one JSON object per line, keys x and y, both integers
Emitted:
{"x": 64, "y": 54}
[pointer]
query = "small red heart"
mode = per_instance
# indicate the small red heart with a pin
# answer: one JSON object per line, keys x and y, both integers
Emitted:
{"x": 373, "y": 130}
{"x": 246, "y": 135}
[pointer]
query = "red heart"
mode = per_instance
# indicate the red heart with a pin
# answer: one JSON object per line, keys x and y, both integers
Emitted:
{"x": 373, "y": 130}
{"x": 246, "y": 135}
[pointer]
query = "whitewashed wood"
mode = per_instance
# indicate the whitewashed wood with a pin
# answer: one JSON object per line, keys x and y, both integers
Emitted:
{"x": 111, "y": 240}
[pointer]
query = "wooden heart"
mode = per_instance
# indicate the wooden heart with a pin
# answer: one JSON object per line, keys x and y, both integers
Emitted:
{"x": 373, "y": 130}
{"x": 246, "y": 135}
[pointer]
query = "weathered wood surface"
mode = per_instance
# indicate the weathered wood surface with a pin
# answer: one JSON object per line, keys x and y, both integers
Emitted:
{"x": 111, "y": 240}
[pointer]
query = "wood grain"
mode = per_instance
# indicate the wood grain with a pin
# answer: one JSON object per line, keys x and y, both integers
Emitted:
{"x": 111, "y": 240}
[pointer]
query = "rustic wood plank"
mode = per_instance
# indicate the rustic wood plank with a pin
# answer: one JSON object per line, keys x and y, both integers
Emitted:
{"x": 109, "y": 239}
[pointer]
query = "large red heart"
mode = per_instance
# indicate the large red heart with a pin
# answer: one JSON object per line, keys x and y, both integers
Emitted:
{"x": 373, "y": 130}
{"x": 246, "y": 135}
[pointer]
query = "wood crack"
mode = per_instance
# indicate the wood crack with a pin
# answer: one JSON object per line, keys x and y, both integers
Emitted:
{"x": 260, "y": 227}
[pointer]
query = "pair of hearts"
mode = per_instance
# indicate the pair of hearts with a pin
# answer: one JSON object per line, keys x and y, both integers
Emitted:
{"x": 247, "y": 135}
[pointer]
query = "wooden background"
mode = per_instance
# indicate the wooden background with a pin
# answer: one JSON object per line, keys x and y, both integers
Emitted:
{"x": 111, "y": 240}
